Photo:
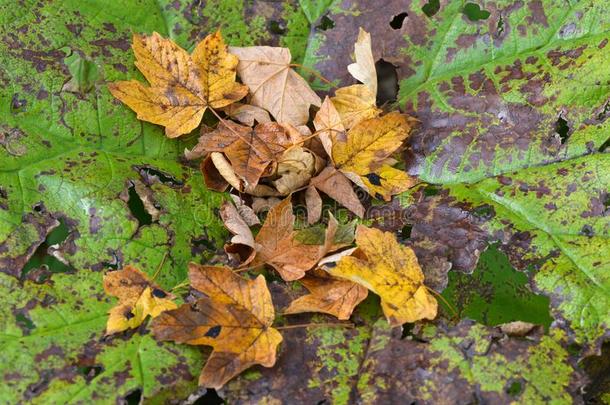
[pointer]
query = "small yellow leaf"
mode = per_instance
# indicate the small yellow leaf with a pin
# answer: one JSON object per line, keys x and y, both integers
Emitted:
{"x": 391, "y": 271}
{"x": 138, "y": 298}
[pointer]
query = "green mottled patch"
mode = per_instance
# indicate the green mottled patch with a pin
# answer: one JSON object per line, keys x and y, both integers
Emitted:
{"x": 340, "y": 359}
{"x": 229, "y": 17}
{"x": 544, "y": 380}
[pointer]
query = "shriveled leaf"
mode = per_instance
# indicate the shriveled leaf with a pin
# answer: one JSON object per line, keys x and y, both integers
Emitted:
{"x": 274, "y": 85}
{"x": 295, "y": 168}
{"x": 250, "y": 151}
{"x": 391, "y": 271}
{"x": 364, "y": 151}
{"x": 330, "y": 295}
{"x": 242, "y": 243}
{"x": 182, "y": 86}
{"x": 364, "y": 68}
{"x": 234, "y": 319}
{"x": 138, "y": 298}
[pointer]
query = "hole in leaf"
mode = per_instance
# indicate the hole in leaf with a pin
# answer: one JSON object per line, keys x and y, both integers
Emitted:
{"x": 514, "y": 388}
{"x": 90, "y": 372}
{"x": 151, "y": 175}
{"x": 277, "y": 27}
{"x": 18, "y": 104}
{"x": 484, "y": 212}
{"x": 326, "y": 23}
{"x": 134, "y": 397}
{"x": 41, "y": 259}
{"x": 500, "y": 26}
{"x": 474, "y": 12}
{"x": 431, "y": 191}
{"x": 604, "y": 112}
{"x": 136, "y": 206}
{"x": 24, "y": 322}
{"x": 398, "y": 20}
{"x": 387, "y": 82}
{"x": 562, "y": 128}
{"x": 431, "y": 7}
{"x": 209, "y": 398}
{"x": 405, "y": 232}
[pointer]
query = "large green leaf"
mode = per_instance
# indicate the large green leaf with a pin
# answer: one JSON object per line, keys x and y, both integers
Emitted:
{"x": 556, "y": 216}
{"x": 76, "y": 160}
{"x": 492, "y": 95}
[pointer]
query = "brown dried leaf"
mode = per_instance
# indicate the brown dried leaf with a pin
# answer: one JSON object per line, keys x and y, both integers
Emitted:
{"x": 329, "y": 295}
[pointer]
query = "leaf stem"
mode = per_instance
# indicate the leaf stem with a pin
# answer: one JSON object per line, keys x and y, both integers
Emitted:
{"x": 316, "y": 325}
{"x": 453, "y": 310}
{"x": 160, "y": 266}
{"x": 313, "y": 72}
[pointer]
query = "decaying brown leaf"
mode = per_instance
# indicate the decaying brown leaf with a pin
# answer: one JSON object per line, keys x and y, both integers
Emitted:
{"x": 337, "y": 186}
{"x": 234, "y": 318}
{"x": 253, "y": 152}
{"x": 274, "y": 85}
{"x": 390, "y": 270}
{"x": 182, "y": 86}
{"x": 242, "y": 243}
{"x": 138, "y": 298}
{"x": 279, "y": 248}
{"x": 330, "y": 295}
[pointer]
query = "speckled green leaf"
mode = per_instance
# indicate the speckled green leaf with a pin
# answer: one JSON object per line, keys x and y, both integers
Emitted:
{"x": 556, "y": 217}
{"x": 489, "y": 93}
{"x": 74, "y": 159}
{"x": 372, "y": 364}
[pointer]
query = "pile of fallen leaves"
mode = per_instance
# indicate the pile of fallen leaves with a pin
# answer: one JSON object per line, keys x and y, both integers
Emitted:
{"x": 274, "y": 141}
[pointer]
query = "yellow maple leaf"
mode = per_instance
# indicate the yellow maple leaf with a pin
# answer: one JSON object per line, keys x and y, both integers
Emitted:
{"x": 364, "y": 151}
{"x": 138, "y": 298}
{"x": 234, "y": 319}
{"x": 391, "y": 271}
{"x": 182, "y": 86}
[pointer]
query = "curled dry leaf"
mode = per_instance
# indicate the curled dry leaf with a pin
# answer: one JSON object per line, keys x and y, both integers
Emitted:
{"x": 274, "y": 85}
{"x": 329, "y": 295}
{"x": 364, "y": 69}
{"x": 295, "y": 168}
{"x": 234, "y": 318}
{"x": 246, "y": 212}
{"x": 182, "y": 86}
{"x": 242, "y": 243}
{"x": 138, "y": 298}
{"x": 391, "y": 271}
{"x": 251, "y": 151}
{"x": 247, "y": 114}
{"x": 364, "y": 151}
